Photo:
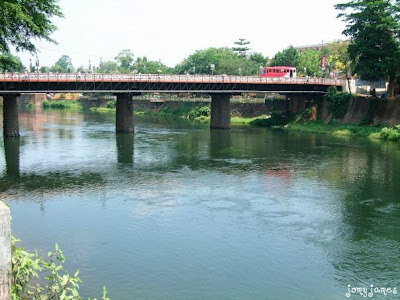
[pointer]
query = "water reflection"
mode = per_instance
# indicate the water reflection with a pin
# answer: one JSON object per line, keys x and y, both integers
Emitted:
{"x": 11, "y": 153}
{"x": 125, "y": 147}
{"x": 260, "y": 212}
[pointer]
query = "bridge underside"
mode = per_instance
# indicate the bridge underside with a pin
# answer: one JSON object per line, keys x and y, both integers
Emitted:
{"x": 163, "y": 87}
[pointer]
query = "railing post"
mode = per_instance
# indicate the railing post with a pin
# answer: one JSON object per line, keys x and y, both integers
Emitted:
{"x": 5, "y": 253}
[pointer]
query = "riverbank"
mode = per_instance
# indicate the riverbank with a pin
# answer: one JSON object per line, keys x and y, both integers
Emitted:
{"x": 373, "y": 132}
{"x": 270, "y": 114}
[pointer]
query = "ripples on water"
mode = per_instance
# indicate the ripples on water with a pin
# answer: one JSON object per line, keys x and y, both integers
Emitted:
{"x": 181, "y": 211}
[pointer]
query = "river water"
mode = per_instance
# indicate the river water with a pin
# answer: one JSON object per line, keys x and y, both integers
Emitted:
{"x": 179, "y": 211}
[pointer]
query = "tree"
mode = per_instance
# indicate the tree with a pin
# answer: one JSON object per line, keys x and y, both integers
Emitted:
{"x": 22, "y": 21}
{"x": 145, "y": 66}
{"x": 44, "y": 69}
{"x": 241, "y": 48}
{"x": 309, "y": 62}
{"x": 11, "y": 63}
{"x": 374, "y": 49}
{"x": 108, "y": 67}
{"x": 288, "y": 57}
{"x": 259, "y": 59}
{"x": 224, "y": 61}
{"x": 338, "y": 57}
{"x": 124, "y": 60}
{"x": 63, "y": 65}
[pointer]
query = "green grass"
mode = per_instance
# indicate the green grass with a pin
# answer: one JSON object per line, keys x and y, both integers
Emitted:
{"x": 102, "y": 109}
{"x": 373, "y": 132}
{"x": 247, "y": 121}
{"x": 61, "y": 104}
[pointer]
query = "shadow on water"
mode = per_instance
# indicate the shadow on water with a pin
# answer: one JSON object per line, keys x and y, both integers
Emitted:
{"x": 125, "y": 148}
{"x": 11, "y": 153}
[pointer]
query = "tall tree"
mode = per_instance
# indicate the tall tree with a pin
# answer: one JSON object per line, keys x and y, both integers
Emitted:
{"x": 374, "y": 30}
{"x": 124, "y": 60}
{"x": 242, "y": 47}
{"x": 63, "y": 65}
{"x": 309, "y": 62}
{"x": 288, "y": 57}
{"x": 108, "y": 67}
{"x": 217, "y": 61}
{"x": 22, "y": 21}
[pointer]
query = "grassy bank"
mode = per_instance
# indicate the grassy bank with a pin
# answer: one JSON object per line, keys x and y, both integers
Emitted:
{"x": 62, "y": 104}
{"x": 297, "y": 123}
{"x": 374, "y": 132}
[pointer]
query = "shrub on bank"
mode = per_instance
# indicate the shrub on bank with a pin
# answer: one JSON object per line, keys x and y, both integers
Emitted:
{"x": 199, "y": 111}
{"x": 36, "y": 277}
{"x": 61, "y": 104}
{"x": 390, "y": 134}
{"x": 276, "y": 119}
{"x": 111, "y": 104}
{"x": 338, "y": 102}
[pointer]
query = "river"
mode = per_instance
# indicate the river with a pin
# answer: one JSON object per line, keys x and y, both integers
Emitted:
{"x": 179, "y": 211}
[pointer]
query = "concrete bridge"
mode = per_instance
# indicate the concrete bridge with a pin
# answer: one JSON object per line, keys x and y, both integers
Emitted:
{"x": 124, "y": 86}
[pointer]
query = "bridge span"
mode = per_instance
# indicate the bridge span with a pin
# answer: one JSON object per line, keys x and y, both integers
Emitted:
{"x": 124, "y": 86}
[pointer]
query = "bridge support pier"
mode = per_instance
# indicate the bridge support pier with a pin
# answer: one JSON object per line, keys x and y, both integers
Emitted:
{"x": 10, "y": 115}
{"x": 124, "y": 113}
{"x": 220, "y": 111}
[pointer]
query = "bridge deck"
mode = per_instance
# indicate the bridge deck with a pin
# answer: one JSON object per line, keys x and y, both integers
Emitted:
{"x": 48, "y": 82}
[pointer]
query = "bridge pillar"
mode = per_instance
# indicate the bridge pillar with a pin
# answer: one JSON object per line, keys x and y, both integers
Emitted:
{"x": 124, "y": 113}
{"x": 10, "y": 116}
{"x": 220, "y": 111}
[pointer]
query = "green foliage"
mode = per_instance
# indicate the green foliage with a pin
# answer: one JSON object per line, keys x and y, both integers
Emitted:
{"x": 303, "y": 115}
{"x": 11, "y": 63}
{"x": 61, "y": 104}
{"x": 366, "y": 119}
{"x": 337, "y": 102}
{"x": 288, "y": 57}
{"x": 145, "y": 66}
{"x": 225, "y": 61}
{"x": 111, "y": 104}
{"x": 390, "y": 134}
{"x": 124, "y": 61}
{"x": 36, "y": 277}
{"x": 241, "y": 47}
{"x": 108, "y": 67}
{"x": 259, "y": 59}
{"x": 63, "y": 65}
{"x": 310, "y": 61}
{"x": 199, "y": 111}
{"x": 374, "y": 29}
{"x": 276, "y": 119}
{"x": 23, "y": 21}
{"x": 338, "y": 58}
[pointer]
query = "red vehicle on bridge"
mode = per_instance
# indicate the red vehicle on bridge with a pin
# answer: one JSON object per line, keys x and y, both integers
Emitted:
{"x": 279, "y": 71}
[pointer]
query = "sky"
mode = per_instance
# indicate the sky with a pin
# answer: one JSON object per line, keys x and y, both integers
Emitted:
{"x": 171, "y": 30}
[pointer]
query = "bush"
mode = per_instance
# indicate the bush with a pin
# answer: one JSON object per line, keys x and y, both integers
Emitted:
{"x": 61, "y": 104}
{"x": 390, "y": 134}
{"x": 35, "y": 277}
{"x": 111, "y": 104}
{"x": 366, "y": 119}
{"x": 276, "y": 119}
{"x": 338, "y": 102}
{"x": 200, "y": 111}
{"x": 304, "y": 115}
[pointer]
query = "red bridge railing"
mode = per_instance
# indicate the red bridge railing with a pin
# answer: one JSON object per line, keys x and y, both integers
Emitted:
{"x": 84, "y": 77}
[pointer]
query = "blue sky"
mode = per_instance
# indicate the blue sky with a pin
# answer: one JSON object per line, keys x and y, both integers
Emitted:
{"x": 171, "y": 30}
